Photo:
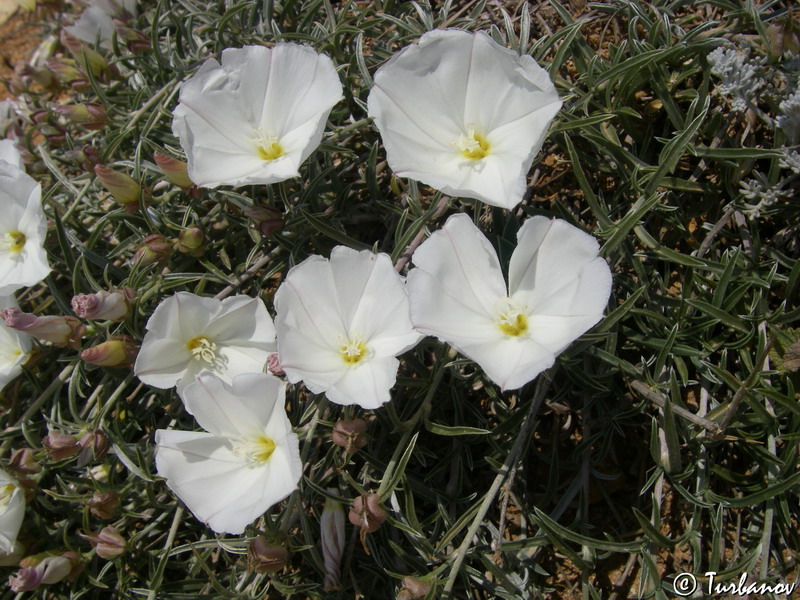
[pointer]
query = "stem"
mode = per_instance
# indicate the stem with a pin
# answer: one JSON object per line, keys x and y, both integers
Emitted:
{"x": 522, "y": 438}
{"x": 410, "y": 425}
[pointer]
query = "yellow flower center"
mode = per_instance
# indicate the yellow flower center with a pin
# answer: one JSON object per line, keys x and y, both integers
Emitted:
{"x": 202, "y": 349}
{"x": 512, "y": 321}
{"x": 14, "y": 241}
{"x": 6, "y": 493}
{"x": 473, "y": 146}
{"x": 353, "y": 351}
{"x": 256, "y": 451}
{"x": 269, "y": 148}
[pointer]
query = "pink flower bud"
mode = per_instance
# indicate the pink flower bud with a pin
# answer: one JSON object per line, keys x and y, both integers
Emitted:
{"x": 104, "y": 505}
{"x": 274, "y": 365}
{"x": 331, "y": 524}
{"x": 267, "y": 220}
{"x": 367, "y": 513}
{"x": 106, "y": 306}
{"x": 64, "y": 69}
{"x": 350, "y": 434}
{"x": 94, "y": 446}
{"x": 137, "y": 41}
{"x": 60, "y": 331}
{"x": 23, "y": 462}
{"x": 84, "y": 56}
{"x": 107, "y": 542}
{"x": 47, "y": 570}
{"x": 60, "y": 446}
{"x": 120, "y": 352}
{"x": 174, "y": 170}
{"x": 263, "y": 557}
{"x": 125, "y": 189}
{"x": 90, "y": 116}
{"x": 413, "y": 589}
{"x": 191, "y": 241}
{"x": 154, "y": 248}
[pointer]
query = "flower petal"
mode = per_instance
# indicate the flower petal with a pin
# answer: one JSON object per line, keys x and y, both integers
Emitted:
{"x": 366, "y": 384}
{"x": 240, "y": 410}
{"x": 555, "y": 270}
{"x": 12, "y": 513}
{"x": 462, "y": 260}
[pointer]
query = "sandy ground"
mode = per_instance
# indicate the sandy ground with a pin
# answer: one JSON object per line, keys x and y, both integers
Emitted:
{"x": 18, "y": 38}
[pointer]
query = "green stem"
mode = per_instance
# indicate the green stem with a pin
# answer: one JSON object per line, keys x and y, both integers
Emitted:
{"x": 522, "y": 438}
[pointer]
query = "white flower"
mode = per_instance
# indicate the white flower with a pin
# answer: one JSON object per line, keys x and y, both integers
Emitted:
{"x": 96, "y": 22}
{"x": 341, "y": 323}
{"x": 12, "y": 509}
{"x": 558, "y": 288}
{"x": 189, "y": 334}
{"x": 257, "y": 116}
{"x": 15, "y": 346}
{"x": 464, "y": 115}
{"x": 10, "y": 154}
{"x": 248, "y": 460}
{"x": 23, "y": 226}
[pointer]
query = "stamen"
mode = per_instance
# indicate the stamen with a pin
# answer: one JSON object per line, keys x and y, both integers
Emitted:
{"x": 352, "y": 351}
{"x": 202, "y": 349}
{"x": 6, "y": 492}
{"x": 14, "y": 241}
{"x": 473, "y": 146}
{"x": 256, "y": 451}
{"x": 269, "y": 148}
{"x": 511, "y": 320}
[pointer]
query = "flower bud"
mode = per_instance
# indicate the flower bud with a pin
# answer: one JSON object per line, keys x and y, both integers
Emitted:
{"x": 263, "y": 557}
{"x": 191, "y": 241}
{"x": 64, "y": 69}
{"x": 107, "y": 542}
{"x": 106, "y": 306}
{"x": 267, "y": 220}
{"x": 413, "y": 589}
{"x": 60, "y": 331}
{"x": 104, "y": 505}
{"x": 60, "y": 446}
{"x": 331, "y": 524}
{"x": 154, "y": 248}
{"x": 94, "y": 446}
{"x": 90, "y": 116}
{"x": 350, "y": 434}
{"x": 38, "y": 571}
{"x": 22, "y": 461}
{"x": 84, "y": 56}
{"x": 274, "y": 365}
{"x": 367, "y": 513}
{"x": 119, "y": 352}
{"x": 783, "y": 36}
{"x": 125, "y": 189}
{"x": 174, "y": 170}
{"x": 137, "y": 41}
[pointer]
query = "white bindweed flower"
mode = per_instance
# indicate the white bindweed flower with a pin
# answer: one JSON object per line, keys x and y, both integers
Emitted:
{"x": 464, "y": 115}
{"x": 248, "y": 460}
{"x": 189, "y": 334}
{"x": 558, "y": 288}
{"x": 23, "y": 226}
{"x": 96, "y": 23}
{"x": 12, "y": 509}
{"x": 341, "y": 323}
{"x": 15, "y": 346}
{"x": 256, "y": 117}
